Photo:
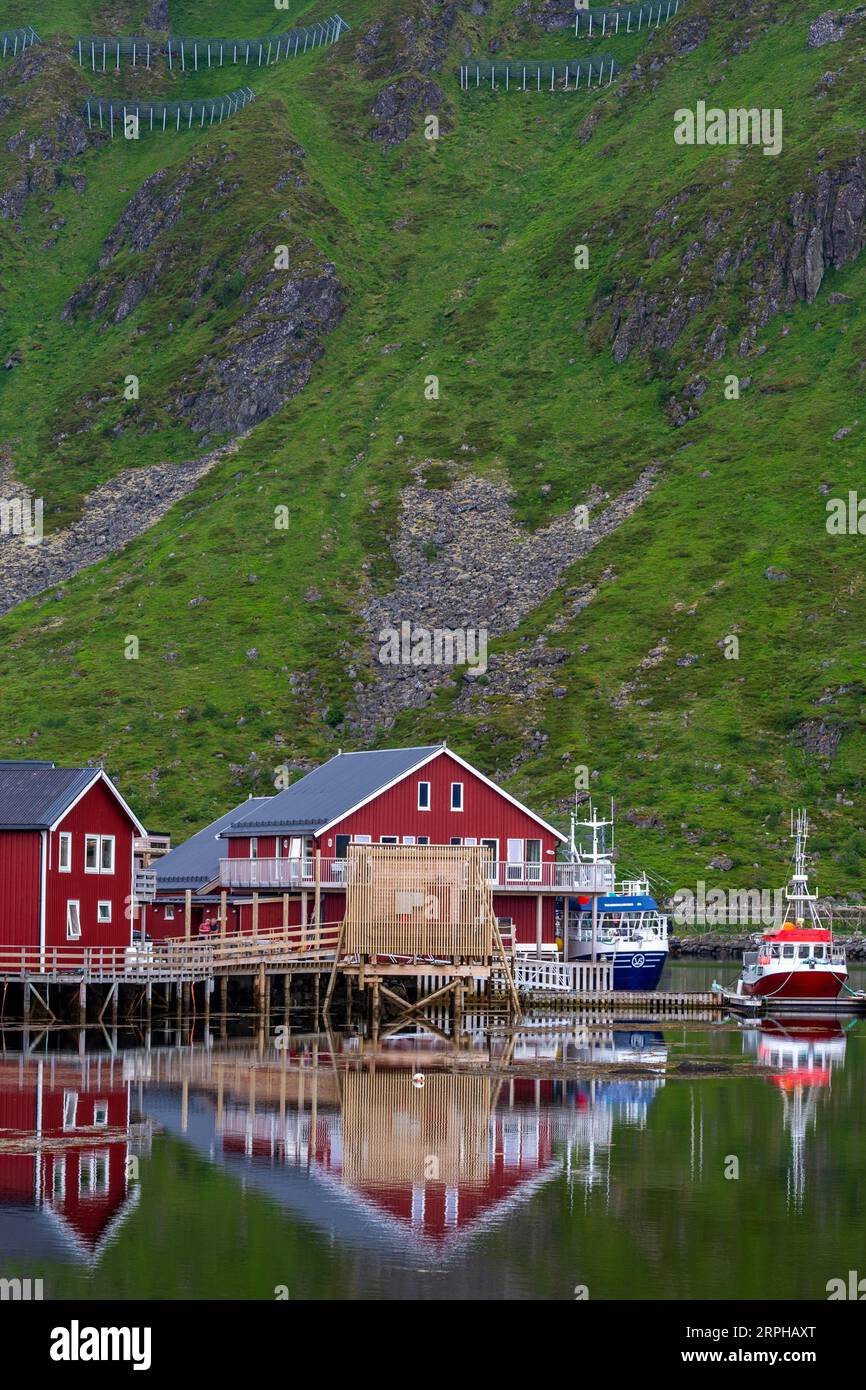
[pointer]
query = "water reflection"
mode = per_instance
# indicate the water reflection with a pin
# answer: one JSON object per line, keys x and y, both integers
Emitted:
{"x": 801, "y": 1054}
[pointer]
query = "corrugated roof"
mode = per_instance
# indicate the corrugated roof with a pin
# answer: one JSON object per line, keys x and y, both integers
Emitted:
{"x": 196, "y": 861}
{"x": 331, "y": 791}
{"x": 33, "y": 795}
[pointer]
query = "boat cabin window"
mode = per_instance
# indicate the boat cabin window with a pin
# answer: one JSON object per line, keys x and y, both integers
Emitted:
{"x": 805, "y": 952}
{"x": 788, "y": 952}
{"x": 819, "y": 952}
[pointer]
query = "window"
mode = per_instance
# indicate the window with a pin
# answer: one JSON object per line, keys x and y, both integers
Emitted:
{"x": 456, "y": 840}
{"x": 73, "y": 920}
{"x": 169, "y": 914}
{"x": 103, "y": 912}
{"x": 99, "y": 854}
{"x": 64, "y": 852}
{"x": 804, "y": 953}
{"x": 100, "y": 1112}
{"x": 408, "y": 839}
{"x": 788, "y": 952}
{"x": 456, "y": 796}
{"x": 389, "y": 839}
{"x": 70, "y": 1109}
{"x": 423, "y": 839}
{"x": 423, "y": 796}
{"x": 254, "y": 848}
{"x": 93, "y": 1171}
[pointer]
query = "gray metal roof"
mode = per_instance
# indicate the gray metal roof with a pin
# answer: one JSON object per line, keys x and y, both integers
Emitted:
{"x": 34, "y": 794}
{"x": 330, "y": 791}
{"x": 197, "y": 860}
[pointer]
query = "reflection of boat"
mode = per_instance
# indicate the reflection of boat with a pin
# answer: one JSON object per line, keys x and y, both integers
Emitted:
{"x": 797, "y": 959}
{"x": 802, "y": 1054}
{"x": 630, "y": 930}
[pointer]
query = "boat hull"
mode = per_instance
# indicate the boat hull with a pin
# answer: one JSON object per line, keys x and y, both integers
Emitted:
{"x": 796, "y": 984}
{"x": 635, "y": 969}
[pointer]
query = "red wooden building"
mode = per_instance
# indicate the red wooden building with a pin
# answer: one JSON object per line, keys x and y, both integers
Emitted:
{"x": 293, "y": 845}
{"x": 66, "y": 857}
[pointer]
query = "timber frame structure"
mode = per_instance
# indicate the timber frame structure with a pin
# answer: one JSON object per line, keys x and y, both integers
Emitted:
{"x": 419, "y": 912}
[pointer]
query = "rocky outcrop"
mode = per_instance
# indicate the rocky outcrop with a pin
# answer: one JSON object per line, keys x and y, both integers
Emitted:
{"x": 265, "y": 355}
{"x": 269, "y": 355}
{"x": 400, "y": 109}
{"x": 408, "y": 50}
{"x": 465, "y": 563}
{"x": 824, "y": 227}
{"x": 43, "y": 134}
{"x": 819, "y": 739}
{"x": 833, "y": 26}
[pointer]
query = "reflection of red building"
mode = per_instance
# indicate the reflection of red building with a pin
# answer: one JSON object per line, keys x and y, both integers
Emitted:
{"x": 64, "y": 1147}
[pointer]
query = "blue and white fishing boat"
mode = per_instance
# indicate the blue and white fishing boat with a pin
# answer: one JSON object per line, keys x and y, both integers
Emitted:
{"x": 630, "y": 930}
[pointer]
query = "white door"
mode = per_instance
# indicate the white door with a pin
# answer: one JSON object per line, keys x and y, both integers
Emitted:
{"x": 514, "y": 871}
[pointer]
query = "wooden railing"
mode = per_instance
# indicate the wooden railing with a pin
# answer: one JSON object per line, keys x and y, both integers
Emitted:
{"x": 505, "y": 876}
{"x": 172, "y": 960}
{"x": 536, "y": 976}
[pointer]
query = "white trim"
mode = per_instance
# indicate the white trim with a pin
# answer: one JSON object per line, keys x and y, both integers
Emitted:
{"x": 389, "y": 839}
{"x": 99, "y": 775}
{"x": 437, "y": 752}
{"x": 43, "y": 888}
{"x": 419, "y": 807}
{"x": 460, "y": 807}
{"x": 103, "y": 921}
{"x": 64, "y": 836}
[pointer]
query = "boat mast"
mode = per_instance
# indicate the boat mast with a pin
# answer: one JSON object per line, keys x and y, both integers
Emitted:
{"x": 797, "y": 890}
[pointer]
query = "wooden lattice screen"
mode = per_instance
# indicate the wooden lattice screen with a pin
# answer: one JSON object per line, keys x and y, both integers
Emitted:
{"x": 419, "y": 900}
{"x": 393, "y": 1133}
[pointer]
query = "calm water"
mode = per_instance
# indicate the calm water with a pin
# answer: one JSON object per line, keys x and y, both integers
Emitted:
{"x": 229, "y": 1168}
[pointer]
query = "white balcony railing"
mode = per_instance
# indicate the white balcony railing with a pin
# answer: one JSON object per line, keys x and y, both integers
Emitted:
{"x": 506, "y": 876}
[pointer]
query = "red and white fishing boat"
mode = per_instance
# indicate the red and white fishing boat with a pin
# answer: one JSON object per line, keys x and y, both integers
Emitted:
{"x": 796, "y": 959}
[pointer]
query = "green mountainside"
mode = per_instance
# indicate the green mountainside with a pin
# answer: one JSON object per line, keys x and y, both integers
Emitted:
{"x": 303, "y": 394}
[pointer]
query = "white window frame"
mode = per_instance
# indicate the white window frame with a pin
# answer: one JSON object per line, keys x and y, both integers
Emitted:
{"x": 168, "y": 912}
{"x": 254, "y": 847}
{"x": 454, "y": 787}
{"x": 423, "y": 839}
{"x": 101, "y": 920}
{"x": 455, "y": 840}
{"x": 533, "y": 866}
{"x": 514, "y": 860}
{"x": 76, "y": 903}
{"x": 88, "y": 841}
{"x": 429, "y": 797}
{"x": 389, "y": 839}
{"x": 64, "y": 842}
{"x": 100, "y": 1113}
{"x": 408, "y": 839}
{"x": 103, "y": 841}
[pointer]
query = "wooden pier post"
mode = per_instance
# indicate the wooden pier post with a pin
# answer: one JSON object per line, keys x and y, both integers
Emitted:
{"x": 224, "y": 994}
{"x": 316, "y": 996}
{"x": 287, "y": 991}
{"x": 187, "y": 913}
{"x": 148, "y": 1002}
{"x": 114, "y": 1004}
{"x": 82, "y": 1003}
{"x": 539, "y": 919}
{"x": 255, "y": 913}
{"x": 223, "y": 912}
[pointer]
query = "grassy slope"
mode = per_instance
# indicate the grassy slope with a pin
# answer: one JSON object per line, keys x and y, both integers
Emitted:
{"x": 497, "y": 314}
